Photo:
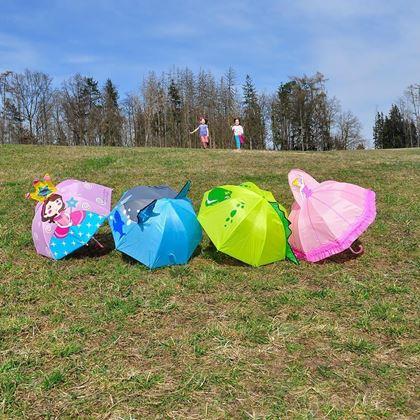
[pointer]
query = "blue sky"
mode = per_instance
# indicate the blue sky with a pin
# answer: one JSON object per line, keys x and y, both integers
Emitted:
{"x": 368, "y": 49}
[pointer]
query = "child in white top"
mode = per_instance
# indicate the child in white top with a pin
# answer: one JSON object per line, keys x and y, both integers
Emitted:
{"x": 238, "y": 133}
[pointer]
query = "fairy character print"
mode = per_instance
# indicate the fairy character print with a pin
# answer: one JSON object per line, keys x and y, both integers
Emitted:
{"x": 54, "y": 211}
{"x": 72, "y": 228}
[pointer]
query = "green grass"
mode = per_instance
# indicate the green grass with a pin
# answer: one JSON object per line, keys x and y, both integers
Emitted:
{"x": 99, "y": 336}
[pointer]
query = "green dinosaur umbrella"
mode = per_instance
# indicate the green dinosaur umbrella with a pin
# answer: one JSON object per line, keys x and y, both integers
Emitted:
{"x": 247, "y": 223}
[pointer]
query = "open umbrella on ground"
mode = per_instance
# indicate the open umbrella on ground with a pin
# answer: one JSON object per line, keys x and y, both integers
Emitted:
{"x": 68, "y": 215}
{"x": 165, "y": 231}
{"x": 137, "y": 198}
{"x": 327, "y": 217}
{"x": 247, "y": 223}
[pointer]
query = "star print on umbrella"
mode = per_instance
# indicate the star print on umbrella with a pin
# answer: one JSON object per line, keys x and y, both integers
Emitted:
{"x": 78, "y": 235}
{"x": 72, "y": 203}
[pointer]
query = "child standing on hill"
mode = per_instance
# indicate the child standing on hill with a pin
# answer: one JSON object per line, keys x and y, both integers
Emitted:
{"x": 238, "y": 133}
{"x": 203, "y": 133}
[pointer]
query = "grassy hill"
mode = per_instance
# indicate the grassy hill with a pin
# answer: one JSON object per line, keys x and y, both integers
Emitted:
{"x": 98, "y": 335}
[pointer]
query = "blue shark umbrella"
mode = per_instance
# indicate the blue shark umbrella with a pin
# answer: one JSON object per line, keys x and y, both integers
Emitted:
{"x": 137, "y": 198}
{"x": 164, "y": 232}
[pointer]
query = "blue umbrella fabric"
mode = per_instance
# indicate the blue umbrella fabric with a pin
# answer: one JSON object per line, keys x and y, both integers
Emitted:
{"x": 137, "y": 198}
{"x": 165, "y": 232}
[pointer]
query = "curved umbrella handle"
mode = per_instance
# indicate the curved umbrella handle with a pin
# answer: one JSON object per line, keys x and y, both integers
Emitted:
{"x": 358, "y": 251}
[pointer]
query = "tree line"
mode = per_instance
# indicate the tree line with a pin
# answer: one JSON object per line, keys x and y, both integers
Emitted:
{"x": 300, "y": 115}
{"x": 401, "y": 127}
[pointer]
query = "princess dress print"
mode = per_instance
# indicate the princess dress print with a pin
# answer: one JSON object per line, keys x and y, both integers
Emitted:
{"x": 67, "y": 240}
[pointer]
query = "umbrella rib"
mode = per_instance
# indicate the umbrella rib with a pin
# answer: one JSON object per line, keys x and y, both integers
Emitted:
{"x": 335, "y": 211}
{"x": 161, "y": 237}
{"x": 312, "y": 226}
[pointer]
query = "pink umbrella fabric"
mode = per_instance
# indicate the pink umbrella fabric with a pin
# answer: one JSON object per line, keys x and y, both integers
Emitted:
{"x": 327, "y": 217}
{"x": 68, "y": 215}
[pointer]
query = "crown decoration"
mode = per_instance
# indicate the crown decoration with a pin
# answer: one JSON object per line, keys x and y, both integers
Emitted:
{"x": 42, "y": 189}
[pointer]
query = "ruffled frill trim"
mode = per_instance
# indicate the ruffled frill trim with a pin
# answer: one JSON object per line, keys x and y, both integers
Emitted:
{"x": 348, "y": 238}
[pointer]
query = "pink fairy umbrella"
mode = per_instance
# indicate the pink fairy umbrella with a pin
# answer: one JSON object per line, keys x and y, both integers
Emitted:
{"x": 68, "y": 215}
{"x": 327, "y": 217}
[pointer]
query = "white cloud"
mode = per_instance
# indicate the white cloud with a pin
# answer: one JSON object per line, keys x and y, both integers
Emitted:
{"x": 173, "y": 29}
{"x": 343, "y": 9}
{"x": 81, "y": 59}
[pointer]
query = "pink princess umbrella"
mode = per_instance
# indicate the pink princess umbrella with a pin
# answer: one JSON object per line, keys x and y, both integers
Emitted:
{"x": 327, "y": 217}
{"x": 68, "y": 215}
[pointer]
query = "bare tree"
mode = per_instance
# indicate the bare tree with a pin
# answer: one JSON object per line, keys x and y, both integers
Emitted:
{"x": 4, "y": 87}
{"x": 300, "y": 116}
{"x": 81, "y": 108}
{"x": 31, "y": 95}
{"x": 349, "y": 129}
{"x": 410, "y": 107}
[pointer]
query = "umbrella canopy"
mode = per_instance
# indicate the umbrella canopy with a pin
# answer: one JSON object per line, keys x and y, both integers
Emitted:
{"x": 137, "y": 198}
{"x": 327, "y": 217}
{"x": 165, "y": 232}
{"x": 247, "y": 223}
{"x": 68, "y": 215}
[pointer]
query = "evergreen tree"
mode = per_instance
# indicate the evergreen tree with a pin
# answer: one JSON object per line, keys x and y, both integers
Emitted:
{"x": 394, "y": 133}
{"x": 174, "y": 113}
{"x": 394, "y": 130}
{"x": 111, "y": 116}
{"x": 253, "y": 120}
{"x": 283, "y": 123}
{"x": 397, "y": 123}
{"x": 231, "y": 95}
{"x": 378, "y": 131}
{"x": 90, "y": 93}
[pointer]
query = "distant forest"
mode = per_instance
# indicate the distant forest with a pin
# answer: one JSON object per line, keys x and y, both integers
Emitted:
{"x": 401, "y": 127}
{"x": 300, "y": 115}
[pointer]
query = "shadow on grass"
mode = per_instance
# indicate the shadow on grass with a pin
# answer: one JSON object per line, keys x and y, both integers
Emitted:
{"x": 197, "y": 252}
{"x": 211, "y": 253}
{"x": 132, "y": 261}
{"x": 93, "y": 250}
{"x": 345, "y": 256}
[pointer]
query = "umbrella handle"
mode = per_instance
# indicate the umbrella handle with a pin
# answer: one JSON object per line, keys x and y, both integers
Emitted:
{"x": 98, "y": 243}
{"x": 358, "y": 251}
